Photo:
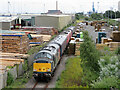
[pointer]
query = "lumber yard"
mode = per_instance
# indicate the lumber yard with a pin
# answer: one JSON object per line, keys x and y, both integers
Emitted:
{"x": 17, "y": 38}
{"x": 59, "y": 50}
{"x": 17, "y": 41}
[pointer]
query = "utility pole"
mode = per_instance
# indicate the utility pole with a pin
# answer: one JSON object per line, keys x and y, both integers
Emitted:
{"x": 108, "y": 17}
{"x": 115, "y": 17}
{"x": 111, "y": 11}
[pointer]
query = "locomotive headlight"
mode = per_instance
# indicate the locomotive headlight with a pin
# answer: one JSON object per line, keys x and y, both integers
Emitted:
{"x": 34, "y": 70}
{"x": 48, "y": 70}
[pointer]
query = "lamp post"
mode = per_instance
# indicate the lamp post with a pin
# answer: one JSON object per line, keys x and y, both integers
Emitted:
{"x": 8, "y": 7}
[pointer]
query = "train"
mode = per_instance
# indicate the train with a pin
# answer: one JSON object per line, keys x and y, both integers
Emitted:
{"x": 47, "y": 59}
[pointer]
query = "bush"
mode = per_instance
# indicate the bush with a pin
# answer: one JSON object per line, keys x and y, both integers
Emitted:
{"x": 88, "y": 76}
{"x": 109, "y": 67}
{"x": 109, "y": 82}
{"x": 88, "y": 53}
{"x": 10, "y": 79}
{"x": 117, "y": 51}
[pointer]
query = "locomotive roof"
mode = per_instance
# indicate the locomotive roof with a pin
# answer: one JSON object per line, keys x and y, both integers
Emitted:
{"x": 60, "y": 39}
{"x": 54, "y": 45}
{"x": 49, "y": 49}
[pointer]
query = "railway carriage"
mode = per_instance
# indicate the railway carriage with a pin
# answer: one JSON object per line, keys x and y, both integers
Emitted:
{"x": 46, "y": 60}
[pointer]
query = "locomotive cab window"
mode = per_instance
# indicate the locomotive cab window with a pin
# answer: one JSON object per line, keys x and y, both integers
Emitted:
{"x": 41, "y": 61}
{"x": 49, "y": 56}
{"x": 44, "y": 55}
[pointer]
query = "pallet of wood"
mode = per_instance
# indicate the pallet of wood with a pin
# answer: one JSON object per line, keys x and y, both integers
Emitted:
{"x": 15, "y": 43}
{"x": 116, "y": 36}
{"x": 114, "y": 45}
{"x": 37, "y": 39}
{"x": 101, "y": 46}
{"x": 77, "y": 48}
{"x": 119, "y": 28}
{"x": 42, "y": 30}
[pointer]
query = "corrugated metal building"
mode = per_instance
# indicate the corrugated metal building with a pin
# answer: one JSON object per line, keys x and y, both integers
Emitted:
{"x": 119, "y": 6}
{"x": 56, "y": 21}
{"x": 7, "y": 22}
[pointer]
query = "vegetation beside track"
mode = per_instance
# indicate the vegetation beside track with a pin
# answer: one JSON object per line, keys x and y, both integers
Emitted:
{"x": 92, "y": 69}
{"x": 21, "y": 81}
{"x": 72, "y": 76}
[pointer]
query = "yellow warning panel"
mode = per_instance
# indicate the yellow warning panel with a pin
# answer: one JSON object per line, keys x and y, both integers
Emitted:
{"x": 42, "y": 67}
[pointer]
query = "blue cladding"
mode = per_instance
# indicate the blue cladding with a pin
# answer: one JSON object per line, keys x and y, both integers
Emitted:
{"x": 35, "y": 43}
{"x": 13, "y": 35}
{"x": 78, "y": 35}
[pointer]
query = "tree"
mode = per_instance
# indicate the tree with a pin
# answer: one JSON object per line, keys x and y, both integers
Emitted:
{"x": 117, "y": 14}
{"x": 78, "y": 15}
{"x": 96, "y": 16}
{"x": 88, "y": 53}
{"x": 109, "y": 14}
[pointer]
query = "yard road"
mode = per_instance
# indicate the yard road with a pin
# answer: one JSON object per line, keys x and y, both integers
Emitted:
{"x": 42, "y": 84}
{"x": 93, "y": 34}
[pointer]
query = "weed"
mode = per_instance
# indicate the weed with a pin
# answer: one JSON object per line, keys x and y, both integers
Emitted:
{"x": 10, "y": 79}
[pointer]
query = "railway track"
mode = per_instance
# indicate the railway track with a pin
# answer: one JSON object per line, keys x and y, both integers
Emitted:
{"x": 44, "y": 87}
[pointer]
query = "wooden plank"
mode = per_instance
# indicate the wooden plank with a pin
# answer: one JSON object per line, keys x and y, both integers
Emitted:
{"x": 12, "y": 59}
{"x": 15, "y": 54}
{"x": 9, "y": 63}
{"x": 2, "y": 67}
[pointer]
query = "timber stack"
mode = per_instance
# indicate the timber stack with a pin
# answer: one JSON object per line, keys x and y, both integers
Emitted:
{"x": 15, "y": 43}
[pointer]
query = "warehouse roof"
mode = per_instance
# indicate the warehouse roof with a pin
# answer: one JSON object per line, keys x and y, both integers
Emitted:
{"x": 55, "y": 15}
{"x": 7, "y": 19}
{"x": 36, "y": 27}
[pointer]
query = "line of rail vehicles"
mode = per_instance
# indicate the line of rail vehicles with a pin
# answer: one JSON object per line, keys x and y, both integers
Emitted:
{"x": 46, "y": 60}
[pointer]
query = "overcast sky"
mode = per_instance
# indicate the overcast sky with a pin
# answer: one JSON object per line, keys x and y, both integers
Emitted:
{"x": 68, "y": 6}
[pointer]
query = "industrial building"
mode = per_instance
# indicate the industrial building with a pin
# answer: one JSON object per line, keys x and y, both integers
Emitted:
{"x": 119, "y": 6}
{"x": 56, "y": 21}
{"x": 7, "y": 22}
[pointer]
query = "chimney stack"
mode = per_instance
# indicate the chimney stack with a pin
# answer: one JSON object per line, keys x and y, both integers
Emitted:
{"x": 56, "y": 5}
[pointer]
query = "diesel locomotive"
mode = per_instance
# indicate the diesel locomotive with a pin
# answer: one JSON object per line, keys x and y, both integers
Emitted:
{"x": 46, "y": 60}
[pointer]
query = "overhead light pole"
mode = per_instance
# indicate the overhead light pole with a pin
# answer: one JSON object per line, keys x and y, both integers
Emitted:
{"x": 8, "y": 6}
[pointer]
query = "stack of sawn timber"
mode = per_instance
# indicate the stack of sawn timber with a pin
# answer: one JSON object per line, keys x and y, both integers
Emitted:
{"x": 116, "y": 40}
{"x": 77, "y": 48}
{"x": 42, "y": 30}
{"x": 10, "y": 59}
{"x": 15, "y": 43}
{"x": 113, "y": 43}
{"x": 71, "y": 47}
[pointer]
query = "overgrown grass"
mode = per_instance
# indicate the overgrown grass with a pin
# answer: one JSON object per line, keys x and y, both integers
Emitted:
{"x": 76, "y": 75}
{"x": 72, "y": 76}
